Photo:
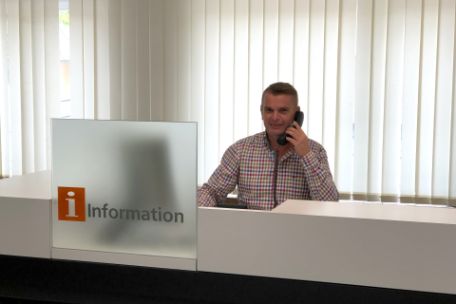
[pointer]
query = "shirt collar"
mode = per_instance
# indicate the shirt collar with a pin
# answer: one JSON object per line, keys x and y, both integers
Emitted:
{"x": 265, "y": 142}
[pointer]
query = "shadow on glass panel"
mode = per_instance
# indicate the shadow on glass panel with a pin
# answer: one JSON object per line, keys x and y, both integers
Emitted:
{"x": 149, "y": 189}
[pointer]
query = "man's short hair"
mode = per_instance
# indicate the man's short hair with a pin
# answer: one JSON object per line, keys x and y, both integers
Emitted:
{"x": 280, "y": 88}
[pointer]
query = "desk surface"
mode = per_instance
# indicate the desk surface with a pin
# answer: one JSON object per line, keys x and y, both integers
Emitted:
{"x": 32, "y": 186}
{"x": 371, "y": 211}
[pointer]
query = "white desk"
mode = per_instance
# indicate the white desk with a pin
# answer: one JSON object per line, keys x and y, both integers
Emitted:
{"x": 25, "y": 215}
{"x": 392, "y": 246}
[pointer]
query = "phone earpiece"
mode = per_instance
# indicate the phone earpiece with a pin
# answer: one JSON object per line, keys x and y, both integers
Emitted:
{"x": 299, "y": 118}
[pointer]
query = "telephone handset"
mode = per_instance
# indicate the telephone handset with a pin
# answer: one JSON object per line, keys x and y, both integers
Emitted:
{"x": 299, "y": 118}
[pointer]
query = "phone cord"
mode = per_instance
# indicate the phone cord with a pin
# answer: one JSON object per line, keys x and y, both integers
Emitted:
{"x": 274, "y": 180}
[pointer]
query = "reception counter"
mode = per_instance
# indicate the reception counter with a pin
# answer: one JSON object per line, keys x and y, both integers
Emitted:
{"x": 301, "y": 251}
{"x": 390, "y": 246}
{"x": 25, "y": 215}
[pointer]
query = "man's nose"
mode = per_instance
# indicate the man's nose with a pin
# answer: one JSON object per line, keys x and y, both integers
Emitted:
{"x": 275, "y": 115}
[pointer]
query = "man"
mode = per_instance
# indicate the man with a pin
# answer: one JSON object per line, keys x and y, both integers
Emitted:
{"x": 266, "y": 172}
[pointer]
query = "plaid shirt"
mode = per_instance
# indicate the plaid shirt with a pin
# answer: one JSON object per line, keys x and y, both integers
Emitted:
{"x": 262, "y": 180}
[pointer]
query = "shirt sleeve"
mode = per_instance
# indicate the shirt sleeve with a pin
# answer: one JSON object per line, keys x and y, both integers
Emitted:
{"x": 223, "y": 180}
{"x": 318, "y": 175}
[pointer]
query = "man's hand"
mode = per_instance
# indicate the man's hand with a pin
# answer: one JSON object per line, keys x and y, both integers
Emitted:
{"x": 299, "y": 139}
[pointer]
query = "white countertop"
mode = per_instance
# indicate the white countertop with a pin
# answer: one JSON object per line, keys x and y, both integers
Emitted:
{"x": 373, "y": 211}
{"x": 33, "y": 186}
{"x": 369, "y": 244}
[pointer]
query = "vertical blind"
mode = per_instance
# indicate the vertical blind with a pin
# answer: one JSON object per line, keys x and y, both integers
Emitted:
{"x": 376, "y": 80}
{"x": 28, "y": 74}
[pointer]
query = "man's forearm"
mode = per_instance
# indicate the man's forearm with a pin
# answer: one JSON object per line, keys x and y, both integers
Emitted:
{"x": 319, "y": 178}
{"x": 206, "y": 197}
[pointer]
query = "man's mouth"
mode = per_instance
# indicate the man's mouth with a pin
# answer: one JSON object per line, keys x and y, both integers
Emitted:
{"x": 277, "y": 127}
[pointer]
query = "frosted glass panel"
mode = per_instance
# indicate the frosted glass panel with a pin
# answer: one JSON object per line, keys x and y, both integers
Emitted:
{"x": 121, "y": 186}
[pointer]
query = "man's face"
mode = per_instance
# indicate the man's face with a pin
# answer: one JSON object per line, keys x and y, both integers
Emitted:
{"x": 278, "y": 113}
